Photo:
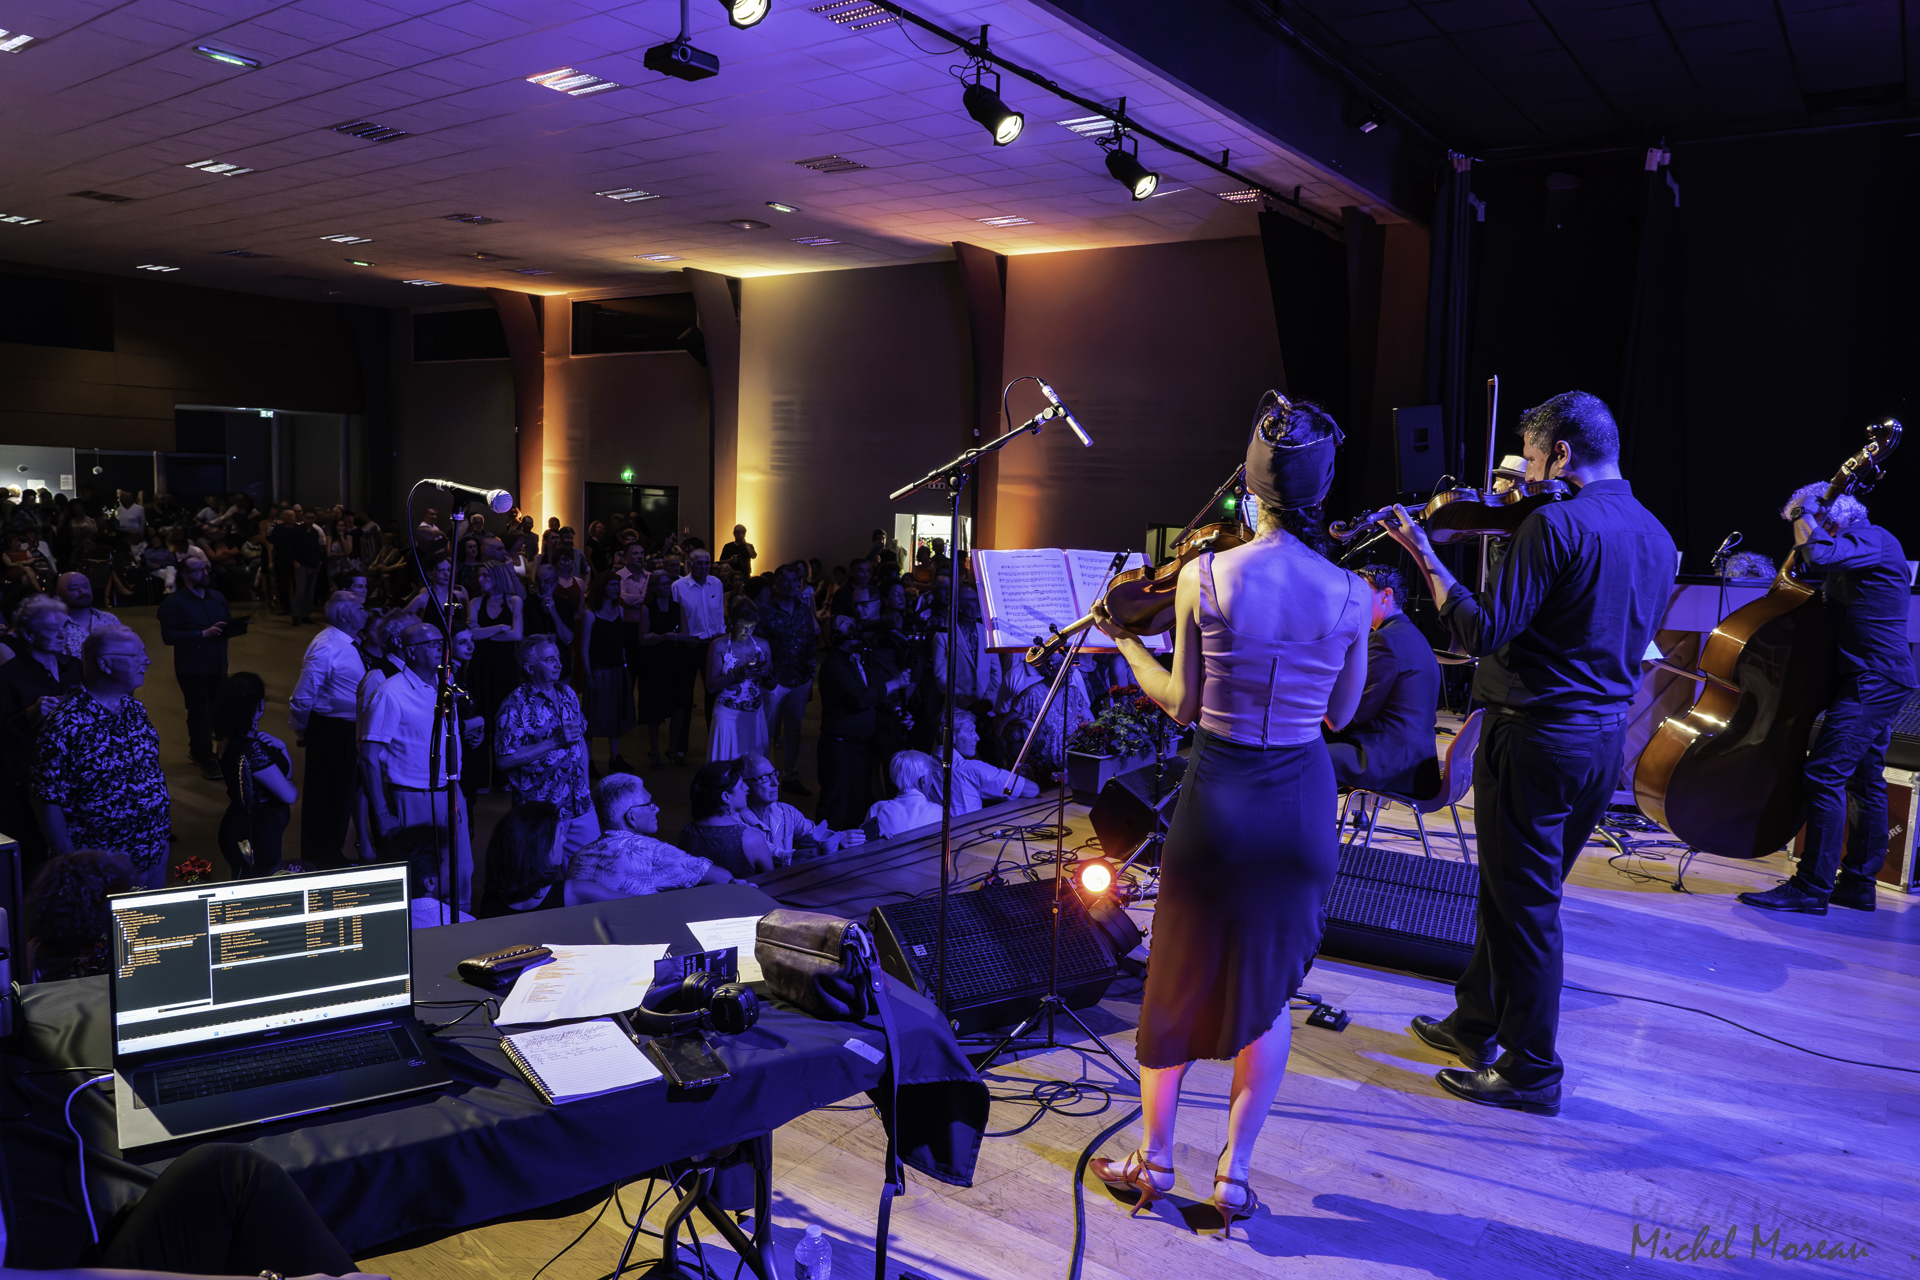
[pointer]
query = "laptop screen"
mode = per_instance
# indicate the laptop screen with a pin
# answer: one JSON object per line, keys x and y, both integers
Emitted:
{"x": 203, "y": 963}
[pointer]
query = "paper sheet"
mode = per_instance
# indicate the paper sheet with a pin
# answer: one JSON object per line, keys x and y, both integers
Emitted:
{"x": 583, "y": 1059}
{"x": 582, "y": 982}
{"x": 739, "y": 932}
{"x": 1027, "y": 594}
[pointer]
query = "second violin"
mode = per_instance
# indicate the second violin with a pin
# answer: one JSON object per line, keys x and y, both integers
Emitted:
{"x": 1460, "y": 513}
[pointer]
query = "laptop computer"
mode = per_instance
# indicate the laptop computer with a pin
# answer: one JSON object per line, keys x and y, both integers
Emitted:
{"x": 250, "y": 1001}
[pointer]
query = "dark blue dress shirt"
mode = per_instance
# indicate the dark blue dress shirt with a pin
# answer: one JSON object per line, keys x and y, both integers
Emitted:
{"x": 1867, "y": 595}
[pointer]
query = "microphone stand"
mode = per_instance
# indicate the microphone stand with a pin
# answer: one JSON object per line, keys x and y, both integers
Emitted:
{"x": 444, "y": 711}
{"x": 954, "y": 474}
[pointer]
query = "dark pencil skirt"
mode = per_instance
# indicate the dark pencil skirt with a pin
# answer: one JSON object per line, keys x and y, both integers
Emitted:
{"x": 1244, "y": 877}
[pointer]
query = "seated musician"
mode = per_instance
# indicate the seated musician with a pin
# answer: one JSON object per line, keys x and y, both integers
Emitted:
{"x": 1388, "y": 745}
{"x": 1865, "y": 593}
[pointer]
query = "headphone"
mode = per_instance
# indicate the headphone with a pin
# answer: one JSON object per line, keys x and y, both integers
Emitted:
{"x": 697, "y": 1001}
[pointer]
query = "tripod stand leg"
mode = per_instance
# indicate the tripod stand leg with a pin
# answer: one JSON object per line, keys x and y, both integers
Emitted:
{"x": 1105, "y": 1048}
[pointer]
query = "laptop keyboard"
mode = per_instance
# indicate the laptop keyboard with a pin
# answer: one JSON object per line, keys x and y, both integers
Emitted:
{"x": 276, "y": 1065}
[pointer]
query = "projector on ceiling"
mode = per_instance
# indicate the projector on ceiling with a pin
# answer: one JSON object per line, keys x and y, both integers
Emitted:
{"x": 678, "y": 58}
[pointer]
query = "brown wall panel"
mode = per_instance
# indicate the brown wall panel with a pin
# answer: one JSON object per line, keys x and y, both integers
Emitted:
{"x": 645, "y": 411}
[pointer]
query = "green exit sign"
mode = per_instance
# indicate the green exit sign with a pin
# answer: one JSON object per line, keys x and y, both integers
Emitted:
{"x": 626, "y": 476}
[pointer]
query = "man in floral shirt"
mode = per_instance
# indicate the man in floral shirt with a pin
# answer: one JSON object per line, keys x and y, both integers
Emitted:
{"x": 97, "y": 782}
{"x": 540, "y": 741}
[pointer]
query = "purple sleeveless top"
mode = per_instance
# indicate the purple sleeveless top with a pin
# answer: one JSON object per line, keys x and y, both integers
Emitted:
{"x": 1270, "y": 693}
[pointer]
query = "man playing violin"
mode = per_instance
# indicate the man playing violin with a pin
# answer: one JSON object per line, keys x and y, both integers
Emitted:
{"x": 1865, "y": 593}
{"x": 1559, "y": 637}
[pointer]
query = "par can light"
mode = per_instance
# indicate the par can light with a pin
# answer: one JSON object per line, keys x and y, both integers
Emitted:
{"x": 993, "y": 115}
{"x": 1131, "y": 174}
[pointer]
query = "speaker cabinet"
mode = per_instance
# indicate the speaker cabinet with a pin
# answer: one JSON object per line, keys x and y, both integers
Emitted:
{"x": 1903, "y": 813}
{"x": 1402, "y": 911}
{"x": 1000, "y": 941}
{"x": 1418, "y": 448}
{"x": 1130, "y": 807}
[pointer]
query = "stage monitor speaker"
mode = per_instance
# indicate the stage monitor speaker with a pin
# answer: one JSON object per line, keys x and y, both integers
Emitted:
{"x": 1419, "y": 448}
{"x": 1000, "y": 940}
{"x": 1903, "y": 817}
{"x": 1127, "y": 809}
{"x": 1904, "y": 751}
{"x": 1402, "y": 911}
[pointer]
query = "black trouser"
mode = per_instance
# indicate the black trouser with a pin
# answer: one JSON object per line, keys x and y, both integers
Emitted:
{"x": 1540, "y": 782}
{"x": 201, "y": 689}
{"x": 19, "y": 819}
{"x": 328, "y": 790}
{"x": 283, "y": 587}
{"x": 694, "y": 659}
{"x": 222, "y": 1209}
{"x": 845, "y": 792}
{"x": 1846, "y": 763}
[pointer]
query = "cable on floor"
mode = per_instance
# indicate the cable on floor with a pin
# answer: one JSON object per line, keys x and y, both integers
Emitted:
{"x": 1687, "y": 1008}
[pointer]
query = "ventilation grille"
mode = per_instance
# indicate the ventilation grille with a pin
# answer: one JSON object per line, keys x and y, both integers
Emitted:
{"x": 830, "y": 164}
{"x": 813, "y": 240}
{"x": 855, "y": 15}
{"x": 627, "y": 195}
{"x": 368, "y": 131}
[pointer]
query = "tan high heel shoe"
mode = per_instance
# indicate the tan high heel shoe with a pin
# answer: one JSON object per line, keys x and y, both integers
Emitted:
{"x": 1230, "y": 1214}
{"x": 1132, "y": 1174}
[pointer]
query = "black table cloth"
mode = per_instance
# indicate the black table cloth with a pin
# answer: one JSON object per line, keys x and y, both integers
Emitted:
{"x": 486, "y": 1147}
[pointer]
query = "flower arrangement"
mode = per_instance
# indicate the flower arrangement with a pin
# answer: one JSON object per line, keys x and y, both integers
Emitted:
{"x": 192, "y": 870}
{"x": 1130, "y": 726}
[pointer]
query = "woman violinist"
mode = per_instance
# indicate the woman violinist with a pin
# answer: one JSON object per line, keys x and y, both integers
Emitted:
{"x": 1270, "y": 638}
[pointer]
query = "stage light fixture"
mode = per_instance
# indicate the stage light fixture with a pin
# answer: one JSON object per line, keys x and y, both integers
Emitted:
{"x": 1127, "y": 170}
{"x": 1001, "y": 122}
{"x": 747, "y": 13}
{"x": 1094, "y": 876}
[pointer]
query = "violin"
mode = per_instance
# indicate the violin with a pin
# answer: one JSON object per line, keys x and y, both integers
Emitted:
{"x": 1458, "y": 513}
{"x": 1141, "y": 600}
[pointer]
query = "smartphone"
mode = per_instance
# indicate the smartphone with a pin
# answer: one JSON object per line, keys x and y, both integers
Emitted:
{"x": 687, "y": 1060}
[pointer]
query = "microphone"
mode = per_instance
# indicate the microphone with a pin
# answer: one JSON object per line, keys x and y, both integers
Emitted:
{"x": 499, "y": 501}
{"x": 1065, "y": 412}
{"x": 1732, "y": 541}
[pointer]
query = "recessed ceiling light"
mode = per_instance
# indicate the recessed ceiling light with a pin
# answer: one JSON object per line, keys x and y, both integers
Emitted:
{"x": 777, "y": 207}
{"x": 577, "y": 84}
{"x": 230, "y": 59}
{"x": 368, "y": 131}
{"x": 855, "y": 15}
{"x": 359, "y": 262}
{"x": 154, "y": 266}
{"x": 221, "y": 167}
{"x": 627, "y": 195}
{"x": 658, "y": 257}
{"x": 1086, "y": 126}
{"x": 747, "y": 224}
{"x": 104, "y": 197}
{"x": 1245, "y": 195}
{"x": 830, "y": 164}
{"x": 13, "y": 41}
{"x": 348, "y": 239}
{"x": 530, "y": 271}
{"x": 815, "y": 240}
{"x": 1006, "y": 220}
{"x": 19, "y": 220}
{"x": 472, "y": 219}
{"x": 430, "y": 284}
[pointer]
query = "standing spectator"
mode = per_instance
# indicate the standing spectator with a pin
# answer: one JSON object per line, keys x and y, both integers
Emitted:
{"x": 309, "y": 559}
{"x": 432, "y": 601}
{"x": 540, "y": 744}
{"x": 69, "y": 925}
{"x": 703, "y": 617}
{"x": 524, "y": 869}
{"x": 788, "y": 832}
{"x": 664, "y": 680}
{"x": 281, "y": 554}
{"x": 193, "y": 620}
{"x": 97, "y": 782}
{"x": 629, "y": 859}
{"x": 850, "y": 692}
{"x": 792, "y": 634}
{"x": 545, "y": 613}
{"x": 631, "y": 583}
{"x": 259, "y": 777}
{"x": 130, "y": 516}
{"x": 387, "y": 571}
{"x": 322, "y": 712}
{"x": 31, "y": 685}
{"x": 496, "y": 619}
{"x": 406, "y": 786}
{"x": 609, "y": 692}
{"x": 739, "y": 553}
{"x": 718, "y": 833}
{"x": 737, "y": 666}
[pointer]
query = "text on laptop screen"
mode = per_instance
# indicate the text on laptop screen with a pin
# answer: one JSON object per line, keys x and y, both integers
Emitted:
{"x": 206, "y": 962}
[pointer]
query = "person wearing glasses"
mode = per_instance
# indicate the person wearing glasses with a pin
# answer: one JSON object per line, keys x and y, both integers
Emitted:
{"x": 629, "y": 859}
{"x": 406, "y": 786}
{"x": 97, "y": 782}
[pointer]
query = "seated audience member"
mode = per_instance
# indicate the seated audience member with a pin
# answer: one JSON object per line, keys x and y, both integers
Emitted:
{"x": 422, "y": 849}
{"x": 916, "y": 783}
{"x": 97, "y": 781}
{"x": 69, "y": 928}
{"x": 259, "y": 777}
{"x": 629, "y": 860}
{"x": 1388, "y": 745}
{"x": 718, "y": 833}
{"x": 540, "y": 744}
{"x": 524, "y": 865}
{"x": 975, "y": 781}
{"x": 788, "y": 832}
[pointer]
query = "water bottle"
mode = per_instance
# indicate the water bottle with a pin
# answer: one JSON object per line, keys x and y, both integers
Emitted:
{"x": 813, "y": 1256}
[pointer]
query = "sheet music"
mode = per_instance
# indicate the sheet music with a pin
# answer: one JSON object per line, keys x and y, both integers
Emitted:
{"x": 1088, "y": 571}
{"x": 582, "y": 982}
{"x": 1028, "y": 593}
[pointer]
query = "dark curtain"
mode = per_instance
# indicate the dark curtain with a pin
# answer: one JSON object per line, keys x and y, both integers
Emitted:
{"x": 1307, "y": 273}
{"x": 1450, "y": 295}
{"x": 1652, "y": 407}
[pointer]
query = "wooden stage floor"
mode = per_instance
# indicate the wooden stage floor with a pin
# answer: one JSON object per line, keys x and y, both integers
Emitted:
{"x": 1673, "y": 1122}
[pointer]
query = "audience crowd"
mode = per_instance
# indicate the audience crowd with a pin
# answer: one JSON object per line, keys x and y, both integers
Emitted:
{"x": 556, "y": 641}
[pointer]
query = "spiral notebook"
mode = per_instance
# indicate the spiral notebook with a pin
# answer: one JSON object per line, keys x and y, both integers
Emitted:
{"x": 578, "y": 1060}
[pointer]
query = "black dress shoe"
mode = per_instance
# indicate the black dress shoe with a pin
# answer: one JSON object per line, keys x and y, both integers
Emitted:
{"x": 1787, "y": 896}
{"x": 1488, "y": 1088}
{"x": 1435, "y": 1033}
{"x": 1854, "y": 892}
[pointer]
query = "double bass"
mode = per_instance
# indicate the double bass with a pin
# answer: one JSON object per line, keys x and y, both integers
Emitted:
{"x": 1726, "y": 776}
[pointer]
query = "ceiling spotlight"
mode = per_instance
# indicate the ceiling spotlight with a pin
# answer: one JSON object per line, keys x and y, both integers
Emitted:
{"x": 230, "y": 59}
{"x": 1127, "y": 170}
{"x": 984, "y": 105}
{"x": 777, "y": 207}
{"x": 747, "y": 13}
{"x": 1372, "y": 122}
{"x": 747, "y": 224}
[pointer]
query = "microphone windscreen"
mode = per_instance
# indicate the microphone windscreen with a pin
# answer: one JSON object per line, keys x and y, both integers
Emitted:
{"x": 501, "y": 501}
